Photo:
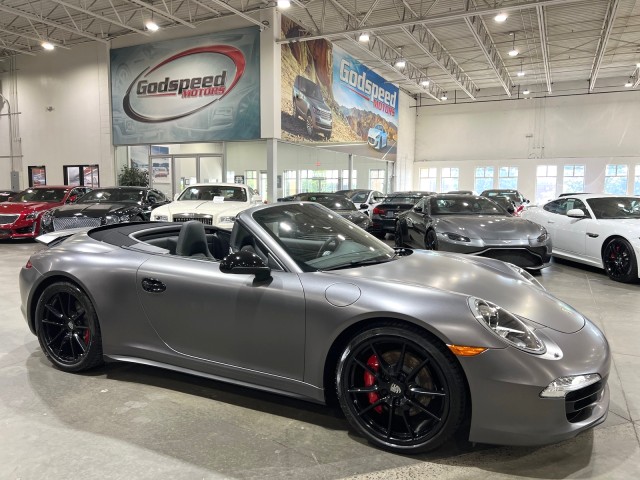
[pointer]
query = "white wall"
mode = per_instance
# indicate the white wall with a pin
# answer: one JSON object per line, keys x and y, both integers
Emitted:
{"x": 406, "y": 142}
{"x": 592, "y": 130}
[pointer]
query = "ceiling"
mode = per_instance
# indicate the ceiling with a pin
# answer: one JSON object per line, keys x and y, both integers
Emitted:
{"x": 457, "y": 45}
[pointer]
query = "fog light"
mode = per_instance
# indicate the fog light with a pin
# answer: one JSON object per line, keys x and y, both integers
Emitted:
{"x": 563, "y": 385}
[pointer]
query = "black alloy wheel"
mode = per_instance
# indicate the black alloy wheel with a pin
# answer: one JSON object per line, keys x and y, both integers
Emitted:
{"x": 400, "y": 390}
{"x": 399, "y": 237}
{"x": 67, "y": 328}
{"x": 431, "y": 240}
{"x": 309, "y": 124}
{"x": 619, "y": 261}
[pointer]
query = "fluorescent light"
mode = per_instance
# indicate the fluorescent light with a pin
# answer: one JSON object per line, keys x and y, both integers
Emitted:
{"x": 629, "y": 83}
{"x": 401, "y": 63}
{"x": 521, "y": 73}
{"x": 152, "y": 26}
{"x": 501, "y": 17}
{"x": 284, "y": 3}
{"x": 526, "y": 91}
{"x": 637, "y": 65}
{"x": 47, "y": 45}
{"x": 424, "y": 83}
{"x": 514, "y": 52}
{"x": 444, "y": 96}
{"x": 364, "y": 37}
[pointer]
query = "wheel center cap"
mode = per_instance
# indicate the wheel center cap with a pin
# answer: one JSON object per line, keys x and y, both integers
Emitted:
{"x": 70, "y": 325}
{"x": 395, "y": 389}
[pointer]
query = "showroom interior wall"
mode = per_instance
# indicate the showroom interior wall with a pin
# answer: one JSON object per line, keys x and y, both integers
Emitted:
{"x": 592, "y": 130}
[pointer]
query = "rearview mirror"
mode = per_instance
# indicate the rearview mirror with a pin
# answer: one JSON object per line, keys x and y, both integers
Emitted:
{"x": 576, "y": 213}
{"x": 245, "y": 263}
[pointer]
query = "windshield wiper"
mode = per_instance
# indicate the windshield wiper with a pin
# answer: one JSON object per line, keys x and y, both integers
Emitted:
{"x": 359, "y": 263}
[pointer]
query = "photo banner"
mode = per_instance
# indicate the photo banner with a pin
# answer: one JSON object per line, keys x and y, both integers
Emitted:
{"x": 198, "y": 89}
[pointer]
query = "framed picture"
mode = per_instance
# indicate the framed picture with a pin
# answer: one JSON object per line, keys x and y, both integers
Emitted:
{"x": 37, "y": 175}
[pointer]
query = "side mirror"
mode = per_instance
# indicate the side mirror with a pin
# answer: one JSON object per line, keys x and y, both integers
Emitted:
{"x": 417, "y": 209}
{"x": 576, "y": 213}
{"x": 525, "y": 201}
{"x": 245, "y": 263}
{"x": 511, "y": 210}
{"x": 364, "y": 206}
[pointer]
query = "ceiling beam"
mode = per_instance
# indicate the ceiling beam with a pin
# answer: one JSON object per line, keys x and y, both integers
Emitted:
{"x": 607, "y": 26}
{"x": 101, "y": 17}
{"x": 34, "y": 38}
{"x": 3, "y": 46}
{"x": 240, "y": 13}
{"x": 162, "y": 13}
{"x": 544, "y": 45}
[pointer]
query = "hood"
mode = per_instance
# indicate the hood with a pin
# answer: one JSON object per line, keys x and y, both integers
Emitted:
{"x": 204, "y": 207}
{"x": 489, "y": 227}
{"x": 25, "y": 207}
{"x": 90, "y": 209}
{"x": 318, "y": 103}
{"x": 474, "y": 277}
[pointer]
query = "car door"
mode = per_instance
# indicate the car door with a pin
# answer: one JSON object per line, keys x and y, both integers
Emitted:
{"x": 571, "y": 233}
{"x": 415, "y": 219}
{"x": 230, "y": 319}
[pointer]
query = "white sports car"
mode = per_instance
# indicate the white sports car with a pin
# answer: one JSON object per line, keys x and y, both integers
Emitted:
{"x": 210, "y": 203}
{"x": 599, "y": 230}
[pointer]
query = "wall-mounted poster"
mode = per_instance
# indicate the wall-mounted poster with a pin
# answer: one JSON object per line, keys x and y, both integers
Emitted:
{"x": 328, "y": 97}
{"x": 37, "y": 175}
{"x": 198, "y": 89}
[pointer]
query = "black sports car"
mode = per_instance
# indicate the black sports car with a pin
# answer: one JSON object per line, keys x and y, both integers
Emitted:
{"x": 474, "y": 225}
{"x": 104, "y": 206}
{"x": 385, "y": 213}
{"x": 338, "y": 203}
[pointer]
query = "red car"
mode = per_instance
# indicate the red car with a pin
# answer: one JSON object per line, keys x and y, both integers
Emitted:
{"x": 20, "y": 218}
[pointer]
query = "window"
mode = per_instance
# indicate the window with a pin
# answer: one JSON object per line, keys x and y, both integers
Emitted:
{"x": 318, "y": 181}
{"x": 636, "y": 181}
{"x": 88, "y": 175}
{"x": 376, "y": 179}
{"x": 563, "y": 205}
{"x": 251, "y": 178}
{"x": 484, "y": 179}
{"x": 508, "y": 177}
{"x": 290, "y": 185}
{"x": 615, "y": 179}
{"x": 428, "y": 179}
{"x": 344, "y": 180}
{"x": 573, "y": 179}
{"x": 546, "y": 183}
{"x": 449, "y": 179}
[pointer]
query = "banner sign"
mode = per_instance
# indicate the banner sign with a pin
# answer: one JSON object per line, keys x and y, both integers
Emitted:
{"x": 197, "y": 89}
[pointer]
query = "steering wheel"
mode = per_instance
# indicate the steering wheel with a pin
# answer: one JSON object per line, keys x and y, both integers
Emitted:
{"x": 324, "y": 248}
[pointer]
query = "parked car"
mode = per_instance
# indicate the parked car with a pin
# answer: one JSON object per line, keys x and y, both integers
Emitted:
{"x": 506, "y": 203}
{"x": 5, "y": 195}
{"x": 415, "y": 345}
{"x": 308, "y": 103}
{"x": 385, "y": 213}
{"x": 336, "y": 202}
{"x": 209, "y": 203}
{"x": 518, "y": 199}
{"x": 20, "y": 218}
{"x": 598, "y": 230}
{"x": 473, "y": 225}
{"x": 377, "y": 137}
{"x": 105, "y": 206}
{"x": 365, "y": 200}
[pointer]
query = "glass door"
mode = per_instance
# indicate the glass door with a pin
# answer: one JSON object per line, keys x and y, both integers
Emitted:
{"x": 161, "y": 173}
{"x": 185, "y": 172}
{"x": 210, "y": 169}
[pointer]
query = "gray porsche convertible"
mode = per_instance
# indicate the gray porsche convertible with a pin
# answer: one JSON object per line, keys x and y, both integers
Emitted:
{"x": 476, "y": 226}
{"x": 413, "y": 345}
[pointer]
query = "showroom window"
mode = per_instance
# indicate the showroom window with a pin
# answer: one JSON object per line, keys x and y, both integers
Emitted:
{"x": 636, "y": 181}
{"x": 428, "y": 179}
{"x": 508, "y": 177}
{"x": 546, "y": 183}
{"x": 290, "y": 185}
{"x": 376, "y": 179}
{"x": 87, "y": 175}
{"x": 251, "y": 178}
{"x": 449, "y": 179}
{"x": 318, "y": 180}
{"x": 615, "y": 179}
{"x": 573, "y": 179}
{"x": 344, "y": 180}
{"x": 484, "y": 179}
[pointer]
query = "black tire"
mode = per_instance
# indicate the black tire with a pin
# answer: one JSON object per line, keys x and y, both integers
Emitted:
{"x": 327, "y": 135}
{"x": 380, "y": 235}
{"x": 309, "y": 124}
{"x": 431, "y": 240}
{"x": 619, "y": 261}
{"x": 295, "y": 109}
{"x": 412, "y": 409}
{"x": 67, "y": 328}
{"x": 399, "y": 237}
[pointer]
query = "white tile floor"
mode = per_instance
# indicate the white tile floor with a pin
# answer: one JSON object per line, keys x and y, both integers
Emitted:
{"x": 136, "y": 422}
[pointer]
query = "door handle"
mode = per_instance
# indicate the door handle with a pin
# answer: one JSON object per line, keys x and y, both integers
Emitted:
{"x": 550, "y": 221}
{"x": 593, "y": 235}
{"x": 152, "y": 285}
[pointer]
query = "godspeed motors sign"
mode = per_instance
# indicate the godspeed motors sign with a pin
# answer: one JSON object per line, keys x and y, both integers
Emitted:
{"x": 195, "y": 89}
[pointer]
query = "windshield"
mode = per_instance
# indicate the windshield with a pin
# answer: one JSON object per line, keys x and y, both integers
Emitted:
{"x": 312, "y": 90}
{"x": 410, "y": 199}
{"x": 112, "y": 195}
{"x": 329, "y": 201}
{"x": 359, "y": 197}
{"x": 317, "y": 239}
{"x": 215, "y": 193}
{"x": 615, "y": 207}
{"x": 464, "y": 205}
{"x": 40, "y": 195}
{"x": 510, "y": 195}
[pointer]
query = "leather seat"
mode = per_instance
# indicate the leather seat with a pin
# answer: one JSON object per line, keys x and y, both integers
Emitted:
{"x": 192, "y": 241}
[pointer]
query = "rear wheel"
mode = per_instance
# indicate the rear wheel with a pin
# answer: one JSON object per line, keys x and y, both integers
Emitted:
{"x": 309, "y": 124}
{"x": 431, "y": 240}
{"x": 400, "y": 390}
{"x": 67, "y": 328}
{"x": 619, "y": 261}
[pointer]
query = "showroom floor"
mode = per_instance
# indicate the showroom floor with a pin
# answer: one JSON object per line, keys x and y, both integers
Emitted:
{"x": 136, "y": 422}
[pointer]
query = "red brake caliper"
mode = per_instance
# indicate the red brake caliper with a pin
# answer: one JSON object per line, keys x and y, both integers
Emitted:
{"x": 87, "y": 336}
{"x": 369, "y": 380}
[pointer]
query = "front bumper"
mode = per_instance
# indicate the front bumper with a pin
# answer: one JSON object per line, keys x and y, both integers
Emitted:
{"x": 20, "y": 229}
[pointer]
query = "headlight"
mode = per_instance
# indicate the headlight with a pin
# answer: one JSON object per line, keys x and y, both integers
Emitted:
{"x": 31, "y": 216}
{"x": 543, "y": 237}
{"x": 456, "y": 237}
{"x": 226, "y": 219}
{"x": 527, "y": 276}
{"x": 563, "y": 385}
{"x": 161, "y": 218}
{"x": 506, "y": 325}
{"x": 111, "y": 219}
{"x": 47, "y": 218}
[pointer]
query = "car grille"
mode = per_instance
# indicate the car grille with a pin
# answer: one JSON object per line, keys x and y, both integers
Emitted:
{"x": 64, "y": 223}
{"x": 206, "y": 219}
{"x": 580, "y": 404}
{"x": 324, "y": 115}
{"x": 518, "y": 256}
{"x": 6, "y": 219}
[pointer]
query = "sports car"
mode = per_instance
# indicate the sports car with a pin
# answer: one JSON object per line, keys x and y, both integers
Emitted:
{"x": 103, "y": 206}
{"x": 210, "y": 203}
{"x": 598, "y": 230}
{"x": 413, "y": 345}
{"x": 336, "y": 202}
{"x": 377, "y": 137}
{"x": 473, "y": 225}
{"x": 365, "y": 200}
{"x": 20, "y": 218}
{"x": 385, "y": 213}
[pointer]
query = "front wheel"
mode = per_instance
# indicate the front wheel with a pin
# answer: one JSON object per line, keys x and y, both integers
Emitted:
{"x": 67, "y": 328}
{"x": 400, "y": 390}
{"x": 619, "y": 261}
{"x": 309, "y": 124}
